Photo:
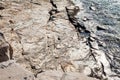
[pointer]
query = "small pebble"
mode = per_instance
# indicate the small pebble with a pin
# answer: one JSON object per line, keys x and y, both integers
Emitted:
{"x": 92, "y": 8}
{"x": 85, "y": 19}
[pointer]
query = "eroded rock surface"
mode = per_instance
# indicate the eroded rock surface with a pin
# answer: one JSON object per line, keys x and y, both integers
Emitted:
{"x": 12, "y": 71}
{"x": 50, "y": 38}
{"x": 6, "y": 51}
{"x": 58, "y": 75}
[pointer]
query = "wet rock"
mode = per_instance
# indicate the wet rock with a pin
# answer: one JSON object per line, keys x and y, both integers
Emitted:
{"x": 100, "y": 34}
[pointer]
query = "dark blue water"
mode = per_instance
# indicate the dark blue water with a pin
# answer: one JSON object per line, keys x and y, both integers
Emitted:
{"x": 107, "y": 12}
